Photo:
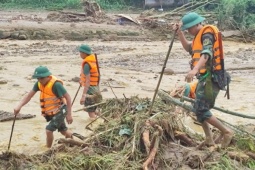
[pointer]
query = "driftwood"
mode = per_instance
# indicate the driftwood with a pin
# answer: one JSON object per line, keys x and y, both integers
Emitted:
{"x": 73, "y": 14}
{"x": 184, "y": 138}
{"x": 146, "y": 137}
{"x": 154, "y": 147}
{"x": 6, "y": 116}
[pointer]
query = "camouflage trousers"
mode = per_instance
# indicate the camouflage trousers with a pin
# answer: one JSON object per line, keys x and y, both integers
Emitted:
{"x": 93, "y": 97}
{"x": 202, "y": 105}
{"x": 57, "y": 122}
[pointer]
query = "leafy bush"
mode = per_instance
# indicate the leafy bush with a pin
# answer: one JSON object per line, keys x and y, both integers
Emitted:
{"x": 239, "y": 13}
{"x": 71, "y": 4}
{"x": 119, "y": 4}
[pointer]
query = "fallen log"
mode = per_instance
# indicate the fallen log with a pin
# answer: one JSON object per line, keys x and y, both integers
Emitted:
{"x": 165, "y": 97}
{"x": 222, "y": 110}
{"x": 6, "y": 116}
{"x": 73, "y": 14}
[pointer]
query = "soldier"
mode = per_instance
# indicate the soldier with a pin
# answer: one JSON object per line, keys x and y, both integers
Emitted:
{"x": 89, "y": 79}
{"x": 206, "y": 65}
{"x": 55, "y": 103}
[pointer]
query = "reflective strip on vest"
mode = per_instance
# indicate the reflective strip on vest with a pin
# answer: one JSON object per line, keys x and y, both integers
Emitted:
{"x": 197, "y": 48}
{"x": 50, "y": 98}
{"x": 94, "y": 74}
{"x": 50, "y": 103}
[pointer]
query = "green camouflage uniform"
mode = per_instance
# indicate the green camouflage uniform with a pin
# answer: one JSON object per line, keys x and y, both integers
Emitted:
{"x": 57, "y": 121}
{"x": 92, "y": 91}
{"x": 204, "y": 102}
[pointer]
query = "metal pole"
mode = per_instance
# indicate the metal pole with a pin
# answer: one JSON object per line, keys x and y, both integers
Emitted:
{"x": 163, "y": 68}
{"x": 12, "y": 132}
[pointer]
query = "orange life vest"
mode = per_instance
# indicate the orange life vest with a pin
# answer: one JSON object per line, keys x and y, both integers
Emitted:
{"x": 197, "y": 48}
{"x": 193, "y": 86}
{"x": 50, "y": 103}
{"x": 94, "y": 73}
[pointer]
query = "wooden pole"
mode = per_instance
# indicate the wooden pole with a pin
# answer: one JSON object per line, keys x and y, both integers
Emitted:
{"x": 12, "y": 132}
{"x": 162, "y": 72}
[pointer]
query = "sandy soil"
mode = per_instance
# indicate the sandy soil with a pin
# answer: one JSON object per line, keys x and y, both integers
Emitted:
{"x": 131, "y": 68}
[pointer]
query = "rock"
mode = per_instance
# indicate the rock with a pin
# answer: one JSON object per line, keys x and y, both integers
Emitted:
{"x": 61, "y": 75}
{"x": 72, "y": 25}
{"x": 168, "y": 71}
{"x": 38, "y": 36}
{"x": 15, "y": 35}
{"x": 113, "y": 37}
{"x": 104, "y": 90}
{"x": 4, "y": 35}
{"x": 169, "y": 36}
{"x": 22, "y": 37}
{"x": 76, "y": 79}
{"x": 3, "y": 81}
{"x": 34, "y": 33}
{"x": 139, "y": 81}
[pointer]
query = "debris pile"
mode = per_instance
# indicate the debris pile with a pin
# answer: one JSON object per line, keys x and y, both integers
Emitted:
{"x": 6, "y": 116}
{"x": 130, "y": 138}
{"x": 92, "y": 13}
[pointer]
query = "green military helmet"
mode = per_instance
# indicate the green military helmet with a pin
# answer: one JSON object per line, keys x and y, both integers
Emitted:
{"x": 191, "y": 19}
{"x": 85, "y": 49}
{"x": 41, "y": 72}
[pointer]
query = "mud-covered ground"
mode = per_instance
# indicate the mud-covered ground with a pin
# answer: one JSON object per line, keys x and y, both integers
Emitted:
{"x": 129, "y": 64}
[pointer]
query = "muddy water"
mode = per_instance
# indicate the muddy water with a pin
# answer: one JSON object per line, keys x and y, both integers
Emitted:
{"x": 131, "y": 68}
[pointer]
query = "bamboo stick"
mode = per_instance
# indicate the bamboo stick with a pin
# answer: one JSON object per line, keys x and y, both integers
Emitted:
{"x": 89, "y": 107}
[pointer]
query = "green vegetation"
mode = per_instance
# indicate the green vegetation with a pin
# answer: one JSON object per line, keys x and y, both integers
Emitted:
{"x": 119, "y": 4}
{"x": 238, "y": 13}
{"x": 69, "y": 4}
{"x": 40, "y": 4}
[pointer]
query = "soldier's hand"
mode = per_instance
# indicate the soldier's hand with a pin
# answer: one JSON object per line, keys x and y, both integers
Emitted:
{"x": 190, "y": 75}
{"x": 16, "y": 110}
{"x": 69, "y": 119}
{"x": 177, "y": 27}
{"x": 82, "y": 101}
